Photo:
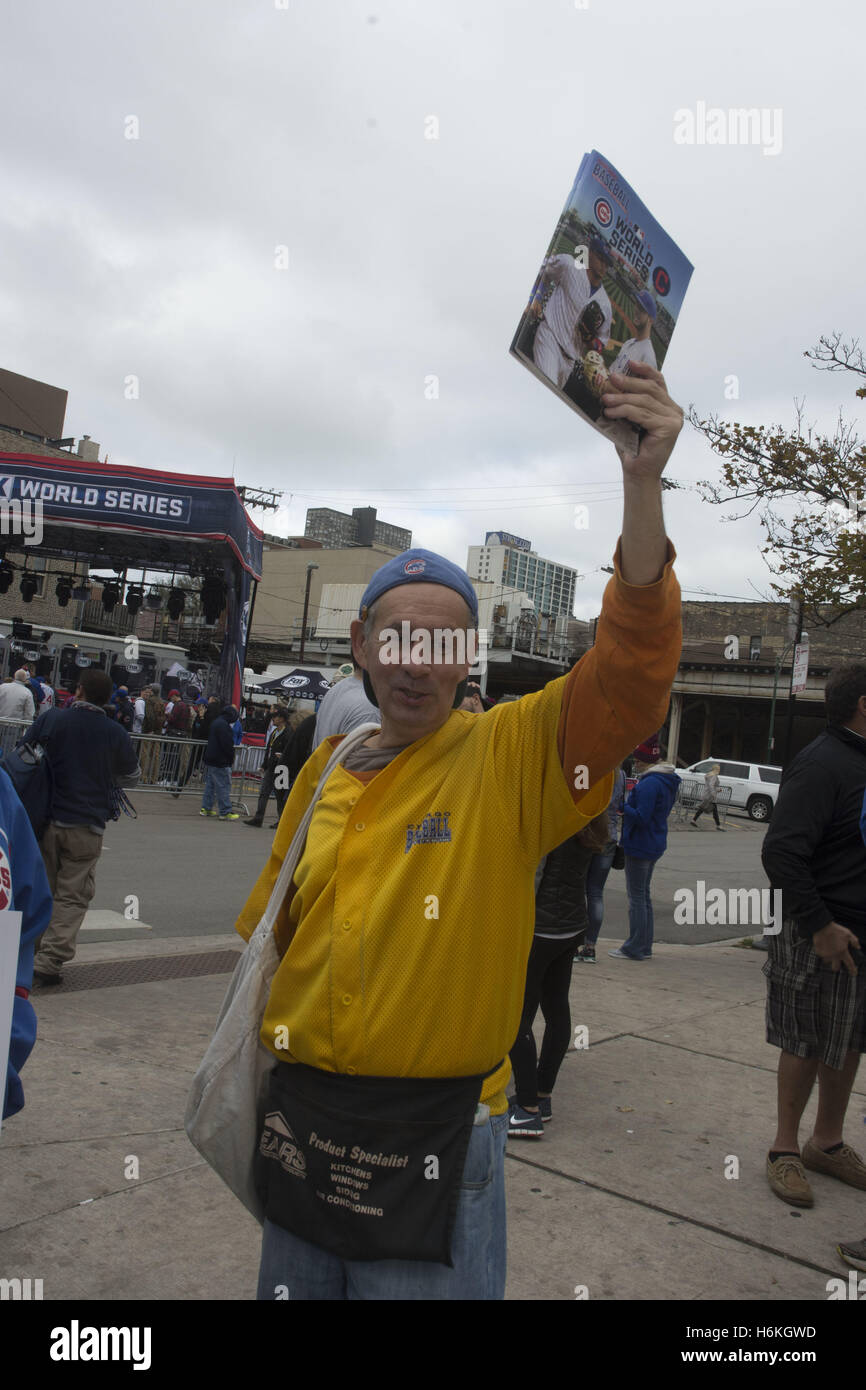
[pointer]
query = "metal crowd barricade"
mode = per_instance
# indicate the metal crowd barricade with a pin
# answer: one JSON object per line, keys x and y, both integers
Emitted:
{"x": 176, "y": 765}
{"x": 690, "y": 796}
{"x": 169, "y": 764}
{"x": 247, "y": 775}
{"x": 172, "y": 765}
{"x": 11, "y": 733}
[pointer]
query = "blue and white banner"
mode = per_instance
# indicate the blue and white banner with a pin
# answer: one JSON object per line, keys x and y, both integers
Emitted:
{"x": 71, "y": 492}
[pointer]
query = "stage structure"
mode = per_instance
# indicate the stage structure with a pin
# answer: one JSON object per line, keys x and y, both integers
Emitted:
{"x": 139, "y": 519}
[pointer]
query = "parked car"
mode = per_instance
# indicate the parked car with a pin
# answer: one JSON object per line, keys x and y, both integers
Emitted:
{"x": 754, "y": 786}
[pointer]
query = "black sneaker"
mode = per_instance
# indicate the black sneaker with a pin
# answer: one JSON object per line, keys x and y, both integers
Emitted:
{"x": 522, "y": 1124}
{"x": 41, "y": 980}
{"x": 253, "y": 822}
{"x": 545, "y": 1108}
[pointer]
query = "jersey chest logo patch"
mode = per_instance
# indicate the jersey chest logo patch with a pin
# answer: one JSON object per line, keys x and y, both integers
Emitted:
{"x": 432, "y": 830}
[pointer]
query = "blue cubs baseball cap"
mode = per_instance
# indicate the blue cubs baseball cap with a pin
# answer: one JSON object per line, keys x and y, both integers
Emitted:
{"x": 419, "y": 567}
{"x": 600, "y": 247}
{"x": 646, "y": 301}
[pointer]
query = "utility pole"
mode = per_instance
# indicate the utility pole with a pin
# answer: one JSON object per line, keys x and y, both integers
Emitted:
{"x": 264, "y": 498}
{"x": 789, "y": 729}
{"x": 310, "y": 569}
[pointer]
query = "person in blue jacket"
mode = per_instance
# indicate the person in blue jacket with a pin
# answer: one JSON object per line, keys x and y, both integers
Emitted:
{"x": 23, "y": 888}
{"x": 218, "y": 759}
{"x": 644, "y": 841}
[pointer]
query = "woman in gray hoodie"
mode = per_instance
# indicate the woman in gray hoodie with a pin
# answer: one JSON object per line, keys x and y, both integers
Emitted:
{"x": 710, "y": 796}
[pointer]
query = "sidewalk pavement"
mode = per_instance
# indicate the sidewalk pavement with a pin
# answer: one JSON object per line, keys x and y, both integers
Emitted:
{"x": 103, "y": 1197}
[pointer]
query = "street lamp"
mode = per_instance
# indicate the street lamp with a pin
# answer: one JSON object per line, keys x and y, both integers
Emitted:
{"x": 310, "y": 569}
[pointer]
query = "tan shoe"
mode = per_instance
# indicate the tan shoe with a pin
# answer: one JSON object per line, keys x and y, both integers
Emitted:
{"x": 788, "y": 1180}
{"x": 844, "y": 1164}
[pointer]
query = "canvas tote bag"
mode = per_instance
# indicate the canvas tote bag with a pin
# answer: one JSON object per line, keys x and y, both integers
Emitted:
{"x": 225, "y": 1109}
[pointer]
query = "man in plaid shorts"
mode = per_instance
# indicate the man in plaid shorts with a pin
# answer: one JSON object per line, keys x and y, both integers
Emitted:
{"x": 816, "y": 967}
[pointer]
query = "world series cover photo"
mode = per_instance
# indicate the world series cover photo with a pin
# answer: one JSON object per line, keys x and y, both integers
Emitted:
{"x": 608, "y": 293}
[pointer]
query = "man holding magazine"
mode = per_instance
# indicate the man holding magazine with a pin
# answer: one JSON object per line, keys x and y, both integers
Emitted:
{"x": 406, "y": 930}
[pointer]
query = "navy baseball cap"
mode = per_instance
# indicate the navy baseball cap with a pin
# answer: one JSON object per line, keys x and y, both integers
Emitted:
{"x": 599, "y": 246}
{"x": 419, "y": 567}
{"x": 646, "y": 301}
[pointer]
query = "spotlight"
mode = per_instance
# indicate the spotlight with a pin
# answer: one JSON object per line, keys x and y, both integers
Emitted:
{"x": 28, "y": 586}
{"x": 7, "y": 574}
{"x": 213, "y": 598}
{"x": 63, "y": 591}
{"x": 134, "y": 597}
{"x": 176, "y": 603}
{"x": 110, "y": 595}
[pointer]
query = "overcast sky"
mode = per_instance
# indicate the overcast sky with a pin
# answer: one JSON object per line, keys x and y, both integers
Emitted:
{"x": 303, "y": 127}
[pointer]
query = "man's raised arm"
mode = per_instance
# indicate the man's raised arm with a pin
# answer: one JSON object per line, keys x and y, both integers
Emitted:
{"x": 618, "y": 693}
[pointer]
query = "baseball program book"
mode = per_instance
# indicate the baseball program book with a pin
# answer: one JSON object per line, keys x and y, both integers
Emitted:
{"x": 608, "y": 293}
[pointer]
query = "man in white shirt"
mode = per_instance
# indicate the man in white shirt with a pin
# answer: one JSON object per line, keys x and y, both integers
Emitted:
{"x": 639, "y": 348}
{"x": 558, "y": 341}
{"x": 345, "y": 707}
{"x": 16, "y": 701}
{"x": 138, "y": 718}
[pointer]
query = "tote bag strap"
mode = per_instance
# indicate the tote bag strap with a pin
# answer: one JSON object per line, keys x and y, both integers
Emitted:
{"x": 296, "y": 848}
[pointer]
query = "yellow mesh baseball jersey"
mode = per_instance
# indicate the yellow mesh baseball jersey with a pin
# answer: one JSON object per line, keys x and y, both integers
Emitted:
{"x": 406, "y": 934}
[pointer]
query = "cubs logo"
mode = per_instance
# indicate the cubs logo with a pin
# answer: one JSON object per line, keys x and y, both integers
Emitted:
{"x": 661, "y": 281}
{"x": 603, "y": 212}
{"x": 414, "y": 566}
{"x": 5, "y": 880}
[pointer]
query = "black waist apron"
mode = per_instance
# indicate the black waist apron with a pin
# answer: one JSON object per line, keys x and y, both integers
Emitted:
{"x": 366, "y": 1167}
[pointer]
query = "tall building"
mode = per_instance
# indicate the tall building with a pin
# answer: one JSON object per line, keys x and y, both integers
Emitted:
{"x": 511, "y": 561}
{"x": 338, "y": 530}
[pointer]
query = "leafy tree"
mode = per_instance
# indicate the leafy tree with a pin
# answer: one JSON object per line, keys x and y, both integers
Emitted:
{"x": 818, "y": 552}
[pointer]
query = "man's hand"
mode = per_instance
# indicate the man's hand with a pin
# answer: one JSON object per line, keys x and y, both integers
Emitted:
{"x": 833, "y": 943}
{"x": 642, "y": 397}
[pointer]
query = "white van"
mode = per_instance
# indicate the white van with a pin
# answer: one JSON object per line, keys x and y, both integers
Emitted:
{"x": 754, "y": 786}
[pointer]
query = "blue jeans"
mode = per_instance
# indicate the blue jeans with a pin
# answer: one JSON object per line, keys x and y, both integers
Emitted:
{"x": 294, "y": 1269}
{"x": 217, "y": 783}
{"x": 596, "y": 877}
{"x": 638, "y": 873}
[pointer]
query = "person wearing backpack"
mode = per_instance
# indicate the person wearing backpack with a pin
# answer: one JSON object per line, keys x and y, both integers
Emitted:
{"x": 174, "y": 760}
{"x": 152, "y": 724}
{"x": 198, "y": 738}
{"x": 89, "y": 755}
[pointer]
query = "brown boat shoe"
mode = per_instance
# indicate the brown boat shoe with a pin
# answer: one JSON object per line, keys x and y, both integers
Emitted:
{"x": 845, "y": 1164}
{"x": 788, "y": 1180}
